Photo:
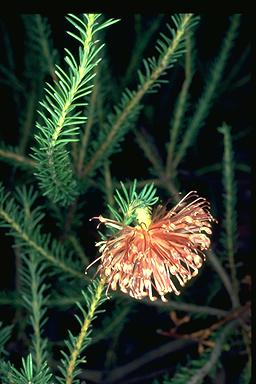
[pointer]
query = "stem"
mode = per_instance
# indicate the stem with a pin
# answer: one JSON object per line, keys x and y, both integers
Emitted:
{"x": 87, "y": 131}
{"x": 203, "y": 372}
{"x": 140, "y": 46}
{"x": 36, "y": 247}
{"x": 224, "y": 277}
{"x": 135, "y": 100}
{"x": 122, "y": 371}
{"x": 36, "y": 309}
{"x": 218, "y": 166}
{"x": 181, "y": 106}
{"x": 209, "y": 92}
{"x": 19, "y": 159}
{"x": 111, "y": 327}
{"x": 78, "y": 248}
{"x": 29, "y": 118}
{"x": 108, "y": 184}
{"x": 230, "y": 204}
{"x": 176, "y": 125}
{"x": 75, "y": 85}
{"x": 229, "y": 83}
{"x": 187, "y": 307}
{"x": 46, "y": 52}
{"x": 146, "y": 142}
{"x": 72, "y": 209}
{"x": 83, "y": 333}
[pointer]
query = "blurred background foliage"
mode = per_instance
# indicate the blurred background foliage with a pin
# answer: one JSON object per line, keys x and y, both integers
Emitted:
{"x": 191, "y": 133}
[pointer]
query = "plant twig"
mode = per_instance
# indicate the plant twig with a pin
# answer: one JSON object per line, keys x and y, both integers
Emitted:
{"x": 83, "y": 332}
{"x": 167, "y": 348}
{"x": 108, "y": 184}
{"x": 146, "y": 142}
{"x": 216, "y": 352}
{"x": 209, "y": 92}
{"x": 229, "y": 185}
{"x": 224, "y": 277}
{"x": 218, "y": 166}
{"x": 22, "y": 234}
{"x": 17, "y": 158}
{"x": 87, "y": 130}
{"x": 78, "y": 248}
{"x": 180, "y": 107}
{"x": 122, "y": 371}
{"x": 186, "y": 307}
{"x": 46, "y": 51}
{"x": 140, "y": 46}
{"x": 29, "y": 118}
{"x": 111, "y": 327}
{"x": 203, "y": 334}
{"x": 137, "y": 96}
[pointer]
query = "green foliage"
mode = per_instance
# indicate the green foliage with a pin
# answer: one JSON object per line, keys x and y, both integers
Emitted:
{"x": 170, "y": 49}
{"x": 76, "y": 345}
{"x": 33, "y": 274}
{"x": 111, "y": 324}
{"x": 28, "y": 375}
{"x": 246, "y": 375}
{"x": 183, "y": 24}
{"x": 140, "y": 43}
{"x": 184, "y": 373}
{"x": 27, "y": 233}
{"x": 12, "y": 156}
{"x": 61, "y": 111}
{"x": 5, "y": 334}
{"x": 9, "y": 78}
{"x": 229, "y": 235}
{"x": 77, "y": 145}
{"x": 5, "y": 368}
{"x": 42, "y": 56}
{"x": 182, "y": 103}
{"x": 146, "y": 143}
{"x": 209, "y": 93}
{"x": 129, "y": 200}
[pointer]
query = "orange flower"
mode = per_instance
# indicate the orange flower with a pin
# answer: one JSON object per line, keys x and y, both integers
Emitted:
{"x": 163, "y": 250}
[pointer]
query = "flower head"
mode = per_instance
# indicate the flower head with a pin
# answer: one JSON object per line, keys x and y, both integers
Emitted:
{"x": 163, "y": 249}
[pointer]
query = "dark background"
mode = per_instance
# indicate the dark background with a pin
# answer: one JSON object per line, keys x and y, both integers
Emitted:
{"x": 233, "y": 106}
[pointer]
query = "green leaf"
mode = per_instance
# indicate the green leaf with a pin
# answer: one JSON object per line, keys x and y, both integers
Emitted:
{"x": 61, "y": 112}
{"x": 27, "y": 373}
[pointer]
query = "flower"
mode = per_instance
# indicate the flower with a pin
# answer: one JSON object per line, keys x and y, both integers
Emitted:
{"x": 164, "y": 249}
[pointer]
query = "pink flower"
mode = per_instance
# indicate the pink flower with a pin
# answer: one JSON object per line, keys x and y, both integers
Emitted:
{"x": 163, "y": 250}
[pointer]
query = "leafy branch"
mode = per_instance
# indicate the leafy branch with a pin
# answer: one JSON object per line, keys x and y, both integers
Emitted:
{"x": 62, "y": 103}
{"x": 215, "y": 354}
{"x": 28, "y": 236}
{"x": 39, "y": 45}
{"x": 209, "y": 93}
{"x": 146, "y": 143}
{"x": 11, "y": 155}
{"x": 28, "y": 375}
{"x": 129, "y": 201}
{"x": 140, "y": 44}
{"x": 33, "y": 274}
{"x": 76, "y": 345}
{"x": 216, "y": 264}
{"x": 126, "y": 112}
{"x": 229, "y": 237}
{"x": 5, "y": 334}
{"x": 181, "y": 105}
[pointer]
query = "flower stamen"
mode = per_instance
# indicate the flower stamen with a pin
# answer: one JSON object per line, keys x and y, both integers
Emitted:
{"x": 161, "y": 247}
